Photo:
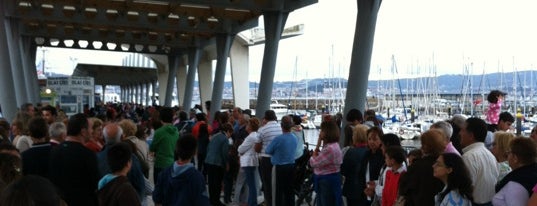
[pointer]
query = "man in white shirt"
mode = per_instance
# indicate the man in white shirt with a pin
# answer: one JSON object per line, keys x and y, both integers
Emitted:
{"x": 266, "y": 134}
{"x": 479, "y": 160}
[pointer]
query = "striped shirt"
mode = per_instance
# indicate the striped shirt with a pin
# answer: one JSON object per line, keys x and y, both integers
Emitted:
{"x": 267, "y": 133}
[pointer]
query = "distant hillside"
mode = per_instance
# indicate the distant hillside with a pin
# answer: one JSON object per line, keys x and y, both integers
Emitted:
{"x": 447, "y": 84}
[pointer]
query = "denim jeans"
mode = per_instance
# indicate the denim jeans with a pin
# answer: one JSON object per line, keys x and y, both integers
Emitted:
{"x": 251, "y": 183}
{"x": 328, "y": 190}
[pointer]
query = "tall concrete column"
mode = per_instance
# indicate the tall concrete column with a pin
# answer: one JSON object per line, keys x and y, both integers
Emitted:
{"x": 193, "y": 61}
{"x": 223, "y": 44}
{"x": 129, "y": 93}
{"x": 173, "y": 63}
{"x": 33, "y": 69}
{"x": 7, "y": 104}
{"x": 274, "y": 23}
{"x": 137, "y": 93}
{"x": 104, "y": 93}
{"x": 147, "y": 96}
{"x": 121, "y": 93}
{"x": 362, "y": 48}
{"x": 27, "y": 55}
{"x": 239, "y": 55}
{"x": 140, "y": 93}
{"x": 181, "y": 82}
{"x": 205, "y": 79}
{"x": 153, "y": 93}
{"x": 12, "y": 31}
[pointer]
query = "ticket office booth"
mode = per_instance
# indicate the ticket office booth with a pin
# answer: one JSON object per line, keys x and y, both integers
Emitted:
{"x": 72, "y": 93}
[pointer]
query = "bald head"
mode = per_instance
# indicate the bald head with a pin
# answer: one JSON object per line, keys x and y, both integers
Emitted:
{"x": 112, "y": 133}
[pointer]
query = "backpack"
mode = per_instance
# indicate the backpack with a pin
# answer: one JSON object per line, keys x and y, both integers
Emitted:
{"x": 185, "y": 127}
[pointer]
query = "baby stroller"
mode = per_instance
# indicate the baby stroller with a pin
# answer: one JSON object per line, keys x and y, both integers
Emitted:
{"x": 303, "y": 183}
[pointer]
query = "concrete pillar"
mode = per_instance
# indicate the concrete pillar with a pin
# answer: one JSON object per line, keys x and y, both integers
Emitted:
{"x": 137, "y": 93}
{"x": 362, "y": 48}
{"x": 193, "y": 61}
{"x": 27, "y": 55}
{"x": 140, "y": 93}
{"x": 239, "y": 55}
{"x": 173, "y": 63}
{"x": 181, "y": 82}
{"x": 274, "y": 23}
{"x": 162, "y": 86}
{"x": 104, "y": 93}
{"x": 205, "y": 78}
{"x": 121, "y": 93}
{"x": 223, "y": 44}
{"x": 7, "y": 104}
{"x": 147, "y": 96}
{"x": 32, "y": 69}
{"x": 13, "y": 38}
{"x": 153, "y": 93}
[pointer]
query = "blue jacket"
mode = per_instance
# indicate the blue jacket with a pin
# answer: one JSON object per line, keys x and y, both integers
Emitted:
{"x": 181, "y": 185}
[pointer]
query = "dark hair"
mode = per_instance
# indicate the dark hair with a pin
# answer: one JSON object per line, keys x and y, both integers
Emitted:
{"x": 76, "y": 123}
{"x": 390, "y": 139}
{"x": 226, "y": 127}
{"x": 10, "y": 167}
{"x": 38, "y": 128}
{"x": 51, "y": 109}
{"x": 477, "y": 127}
{"x": 287, "y": 123}
{"x": 270, "y": 115}
{"x": 185, "y": 148}
{"x": 396, "y": 153}
{"x": 26, "y": 106}
{"x": 416, "y": 153}
{"x": 30, "y": 190}
{"x": 492, "y": 97}
{"x": 376, "y": 130}
{"x": 297, "y": 120}
{"x": 208, "y": 105}
{"x": 183, "y": 116}
{"x": 7, "y": 146}
{"x": 201, "y": 117}
{"x": 166, "y": 114}
{"x": 506, "y": 117}
{"x": 525, "y": 149}
{"x": 118, "y": 156}
{"x": 354, "y": 114}
{"x": 459, "y": 178}
{"x": 4, "y": 129}
{"x": 331, "y": 131}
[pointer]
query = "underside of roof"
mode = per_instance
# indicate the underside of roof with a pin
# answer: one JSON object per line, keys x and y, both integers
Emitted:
{"x": 146, "y": 26}
{"x": 116, "y": 75}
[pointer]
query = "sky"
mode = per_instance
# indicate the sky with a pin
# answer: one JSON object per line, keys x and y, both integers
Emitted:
{"x": 425, "y": 37}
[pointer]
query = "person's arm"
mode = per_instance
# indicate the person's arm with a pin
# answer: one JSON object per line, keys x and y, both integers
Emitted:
{"x": 515, "y": 194}
{"x": 154, "y": 144}
{"x": 323, "y": 158}
{"x": 533, "y": 199}
{"x": 248, "y": 143}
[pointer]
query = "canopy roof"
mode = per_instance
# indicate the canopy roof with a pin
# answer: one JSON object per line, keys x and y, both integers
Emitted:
{"x": 116, "y": 75}
{"x": 147, "y": 26}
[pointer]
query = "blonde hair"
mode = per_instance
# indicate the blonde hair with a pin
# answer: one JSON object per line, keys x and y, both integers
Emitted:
{"x": 359, "y": 134}
{"x": 96, "y": 122}
{"x": 502, "y": 140}
{"x": 128, "y": 127}
{"x": 433, "y": 142}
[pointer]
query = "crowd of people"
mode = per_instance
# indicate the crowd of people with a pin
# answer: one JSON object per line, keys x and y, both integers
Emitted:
{"x": 104, "y": 156}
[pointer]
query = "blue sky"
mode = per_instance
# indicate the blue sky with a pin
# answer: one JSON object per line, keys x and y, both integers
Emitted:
{"x": 484, "y": 35}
